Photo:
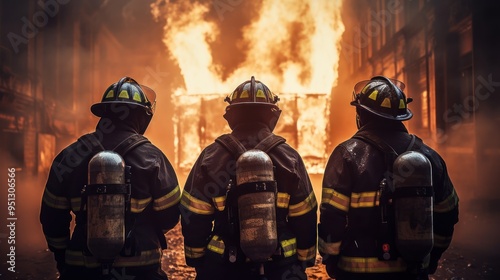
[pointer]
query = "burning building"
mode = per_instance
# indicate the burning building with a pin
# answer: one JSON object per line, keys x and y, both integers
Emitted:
{"x": 446, "y": 54}
{"x": 297, "y": 60}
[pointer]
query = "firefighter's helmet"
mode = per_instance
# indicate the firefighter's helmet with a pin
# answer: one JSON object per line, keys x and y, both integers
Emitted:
{"x": 252, "y": 92}
{"x": 252, "y": 101}
{"x": 128, "y": 92}
{"x": 382, "y": 97}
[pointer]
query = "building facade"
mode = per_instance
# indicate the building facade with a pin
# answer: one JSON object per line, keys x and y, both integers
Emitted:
{"x": 446, "y": 52}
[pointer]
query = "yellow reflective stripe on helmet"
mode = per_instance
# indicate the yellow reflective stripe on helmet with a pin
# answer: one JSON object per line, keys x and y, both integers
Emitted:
{"x": 196, "y": 205}
{"x": 168, "y": 200}
{"x": 58, "y": 202}
{"x": 303, "y": 207}
{"x": 442, "y": 241}
{"x": 244, "y": 94}
{"x": 110, "y": 94}
{"x": 216, "y": 245}
{"x": 260, "y": 94}
{"x": 137, "y": 97}
{"x": 289, "y": 247}
{"x": 402, "y": 104}
{"x": 124, "y": 94}
{"x": 329, "y": 248}
{"x": 372, "y": 95}
{"x": 365, "y": 199}
{"x": 335, "y": 199}
{"x": 138, "y": 205}
{"x": 148, "y": 257}
{"x": 194, "y": 253}
{"x": 76, "y": 203}
{"x": 386, "y": 103}
{"x": 306, "y": 254}
{"x": 448, "y": 204}
{"x": 57, "y": 242}
{"x": 282, "y": 200}
{"x": 370, "y": 265}
{"x": 220, "y": 202}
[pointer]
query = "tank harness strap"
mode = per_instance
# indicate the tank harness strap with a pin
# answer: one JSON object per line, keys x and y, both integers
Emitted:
{"x": 95, "y": 146}
{"x": 386, "y": 226}
{"x": 268, "y": 143}
{"x": 232, "y": 144}
{"x": 131, "y": 142}
{"x": 412, "y": 142}
{"x": 389, "y": 153}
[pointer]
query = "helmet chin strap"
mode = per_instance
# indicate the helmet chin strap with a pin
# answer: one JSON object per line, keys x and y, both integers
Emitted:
{"x": 358, "y": 121}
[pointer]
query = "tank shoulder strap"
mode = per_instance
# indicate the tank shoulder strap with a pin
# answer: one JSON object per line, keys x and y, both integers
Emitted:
{"x": 414, "y": 140}
{"x": 389, "y": 153}
{"x": 91, "y": 142}
{"x": 130, "y": 143}
{"x": 232, "y": 144}
{"x": 268, "y": 143}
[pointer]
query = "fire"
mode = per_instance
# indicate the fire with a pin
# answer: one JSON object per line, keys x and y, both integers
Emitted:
{"x": 292, "y": 46}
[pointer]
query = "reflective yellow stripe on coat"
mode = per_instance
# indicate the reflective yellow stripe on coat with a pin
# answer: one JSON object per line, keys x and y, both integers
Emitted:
{"x": 148, "y": 257}
{"x": 216, "y": 245}
{"x": 303, "y": 207}
{"x": 329, "y": 248}
{"x": 196, "y": 205}
{"x": 168, "y": 200}
{"x": 335, "y": 199}
{"x": 57, "y": 242}
{"x": 306, "y": 254}
{"x": 220, "y": 202}
{"x": 282, "y": 200}
{"x": 54, "y": 201}
{"x": 138, "y": 205}
{"x": 370, "y": 265}
{"x": 365, "y": 199}
{"x": 448, "y": 204}
{"x": 194, "y": 253}
{"x": 289, "y": 247}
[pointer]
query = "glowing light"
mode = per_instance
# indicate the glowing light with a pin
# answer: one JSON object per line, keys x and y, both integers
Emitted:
{"x": 304, "y": 35}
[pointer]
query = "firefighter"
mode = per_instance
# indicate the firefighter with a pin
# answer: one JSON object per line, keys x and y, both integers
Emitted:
{"x": 125, "y": 112}
{"x": 210, "y": 219}
{"x": 356, "y": 236}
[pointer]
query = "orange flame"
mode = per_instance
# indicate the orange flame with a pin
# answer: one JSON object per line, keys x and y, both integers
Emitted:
{"x": 292, "y": 46}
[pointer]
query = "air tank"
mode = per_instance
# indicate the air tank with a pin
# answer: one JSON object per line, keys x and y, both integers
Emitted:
{"x": 256, "y": 189}
{"x": 106, "y": 205}
{"x": 413, "y": 205}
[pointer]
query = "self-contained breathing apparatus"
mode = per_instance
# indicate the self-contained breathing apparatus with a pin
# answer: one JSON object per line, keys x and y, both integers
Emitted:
{"x": 406, "y": 205}
{"x": 251, "y": 202}
{"x": 106, "y": 199}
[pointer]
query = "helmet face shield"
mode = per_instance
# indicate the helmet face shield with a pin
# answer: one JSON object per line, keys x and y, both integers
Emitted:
{"x": 383, "y": 97}
{"x": 150, "y": 95}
